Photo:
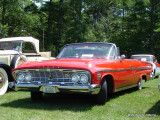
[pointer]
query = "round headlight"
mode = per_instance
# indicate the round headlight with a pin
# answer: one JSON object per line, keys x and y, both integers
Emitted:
{"x": 20, "y": 77}
{"x": 75, "y": 78}
{"x": 28, "y": 77}
{"x": 84, "y": 79}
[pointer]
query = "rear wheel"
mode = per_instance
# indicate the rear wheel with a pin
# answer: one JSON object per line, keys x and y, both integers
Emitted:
{"x": 102, "y": 95}
{"x": 3, "y": 81}
{"x": 36, "y": 95}
{"x": 139, "y": 87}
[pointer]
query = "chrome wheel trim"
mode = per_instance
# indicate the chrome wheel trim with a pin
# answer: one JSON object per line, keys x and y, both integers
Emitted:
{"x": 140, "y": 84}
{"x": 3, "y": 81}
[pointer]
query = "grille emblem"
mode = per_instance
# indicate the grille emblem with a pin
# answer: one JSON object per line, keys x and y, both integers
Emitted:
{"x": 50, "y": 77}
{"x": 66, "y": 75}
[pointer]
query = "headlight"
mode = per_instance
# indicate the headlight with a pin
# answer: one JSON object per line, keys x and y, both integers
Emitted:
{"x": 28, "y": 77}
{"x": 75, "y": 78}
{"x": 84, "y": 79}
{"x": 20, "y": 77}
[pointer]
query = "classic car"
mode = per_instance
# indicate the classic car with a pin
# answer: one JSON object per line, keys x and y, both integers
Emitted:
{"x": 5, "y": 76}
{"x": 16, "y": 50}
{"x": 91, "y": 68}
{"x": 149, "y": 58}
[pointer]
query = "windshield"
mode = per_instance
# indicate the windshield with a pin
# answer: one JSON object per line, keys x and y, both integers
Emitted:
{"x": 87, "y": 50}
{"x": 143, "y": 58}
{"x": 10, "y": 45}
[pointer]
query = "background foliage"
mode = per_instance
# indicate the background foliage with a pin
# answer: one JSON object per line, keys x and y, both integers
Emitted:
{"x": 133, "y": 25}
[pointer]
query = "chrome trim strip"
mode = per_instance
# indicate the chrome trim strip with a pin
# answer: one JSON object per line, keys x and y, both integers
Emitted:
{"x": 98, "y": 76}
{"x": 51, "y": 69}
{"x": 117, "y": 70}
{"x": 123, "y": 88}
{"x": 92, "y": 89}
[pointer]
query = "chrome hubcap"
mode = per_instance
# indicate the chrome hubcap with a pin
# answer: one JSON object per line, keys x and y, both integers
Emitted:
{"x": 140, "y": 84}
{"x": 1, "y": 80}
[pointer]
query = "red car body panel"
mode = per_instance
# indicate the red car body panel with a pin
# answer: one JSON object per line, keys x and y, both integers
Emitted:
{"x": 124, "y": 72}
{"x": 92, "y": 68}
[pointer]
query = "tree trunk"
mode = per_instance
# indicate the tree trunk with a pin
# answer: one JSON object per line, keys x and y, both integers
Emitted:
{"x": 3, "y": 11}
{"x": 49, "y": 24}
{"x": 151, "y": 37}
{"x": 59, "y": 22}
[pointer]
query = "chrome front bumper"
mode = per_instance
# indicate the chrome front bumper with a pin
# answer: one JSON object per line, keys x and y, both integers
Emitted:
{"x": 90, "y": 89}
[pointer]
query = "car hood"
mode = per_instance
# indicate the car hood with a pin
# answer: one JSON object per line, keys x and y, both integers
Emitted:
{"x": 69, "y": 63}
{"x": 8, "y": 52}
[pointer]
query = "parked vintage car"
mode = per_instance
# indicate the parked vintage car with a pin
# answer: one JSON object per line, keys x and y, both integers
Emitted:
{"x": 16, "y": 50}
{"x": 5, "y": 76}
{"x": 93, "y": 68}
{"x": 149, "y": 58}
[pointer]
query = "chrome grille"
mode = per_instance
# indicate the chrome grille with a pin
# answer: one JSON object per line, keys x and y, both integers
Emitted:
{"x": 51, "y": 75}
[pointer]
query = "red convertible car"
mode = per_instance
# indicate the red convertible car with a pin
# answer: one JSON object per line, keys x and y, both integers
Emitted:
{"x": 93, "y": 68}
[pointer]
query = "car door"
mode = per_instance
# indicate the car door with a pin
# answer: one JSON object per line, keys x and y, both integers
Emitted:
{"x": 124, "y": 70}
{"x": 126, "y": 73}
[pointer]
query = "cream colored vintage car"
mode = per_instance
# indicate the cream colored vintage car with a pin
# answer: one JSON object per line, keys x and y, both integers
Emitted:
{"x": 16, "y": 50}
{"x": 13, "y": 52}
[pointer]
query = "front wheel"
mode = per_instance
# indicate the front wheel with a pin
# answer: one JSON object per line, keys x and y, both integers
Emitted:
{"x": 102, "y": 95}
{"x": 3, "y": 81}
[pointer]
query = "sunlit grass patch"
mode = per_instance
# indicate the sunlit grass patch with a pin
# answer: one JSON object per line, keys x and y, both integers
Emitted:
{"x": 127, "y": 104}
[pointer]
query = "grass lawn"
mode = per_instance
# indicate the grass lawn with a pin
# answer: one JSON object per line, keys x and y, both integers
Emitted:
{"x": 129, "y": 104}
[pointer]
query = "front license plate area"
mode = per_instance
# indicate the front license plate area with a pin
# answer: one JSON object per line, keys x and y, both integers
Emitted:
{"x": 49, "y": 89}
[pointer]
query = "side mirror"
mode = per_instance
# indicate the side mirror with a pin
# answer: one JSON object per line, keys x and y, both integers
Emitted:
{"x": 123, "y": 57}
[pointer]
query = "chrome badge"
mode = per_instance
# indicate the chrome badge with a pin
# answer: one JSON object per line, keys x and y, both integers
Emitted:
{"x": 66, "y": 75}
{"x": 50, "y": 77}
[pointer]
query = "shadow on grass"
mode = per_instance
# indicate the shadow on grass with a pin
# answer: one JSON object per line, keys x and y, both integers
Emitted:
{"x": 72, "y": 102}
{"x": 155, "y": 109}
{"x": 123, "y": 92}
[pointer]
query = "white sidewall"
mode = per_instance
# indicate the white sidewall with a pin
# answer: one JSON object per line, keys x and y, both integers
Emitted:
{"x": 18, "y": 59}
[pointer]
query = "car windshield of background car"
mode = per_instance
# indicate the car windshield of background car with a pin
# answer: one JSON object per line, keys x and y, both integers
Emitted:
{"x": 143, "y": 58}
{"x": 9, "y": 45}
{"x": 86, "y": 51}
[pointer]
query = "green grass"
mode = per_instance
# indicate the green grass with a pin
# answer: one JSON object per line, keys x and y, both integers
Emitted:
{"x": 129, "y": 104}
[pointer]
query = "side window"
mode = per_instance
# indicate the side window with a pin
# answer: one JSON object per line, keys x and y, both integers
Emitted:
{"x": 118, "y": 51}
{"x": 112, "y": 54}
{"x": 28, "y": 47}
